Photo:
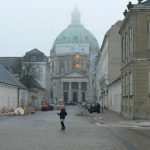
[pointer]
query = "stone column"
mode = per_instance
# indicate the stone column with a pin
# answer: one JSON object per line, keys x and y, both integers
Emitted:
{"x": 88, "y": 91}
{"x": 61, "y": 90}
{"x": 79, "y": 92}
{"x": 70, "y": 93}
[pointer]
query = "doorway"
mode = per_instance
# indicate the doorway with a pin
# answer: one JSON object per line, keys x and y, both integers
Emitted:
{"x": 83, "y": 96}
{"x": 75, "y": 97}
{"x": 65, "y": 97}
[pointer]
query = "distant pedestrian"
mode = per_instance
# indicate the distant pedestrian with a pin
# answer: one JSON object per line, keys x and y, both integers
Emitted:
{"x": 62, "y": 114}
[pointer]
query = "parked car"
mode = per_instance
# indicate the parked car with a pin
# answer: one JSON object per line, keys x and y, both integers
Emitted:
{"x": 46, "y": 106}
{"x": 94, "y": 107}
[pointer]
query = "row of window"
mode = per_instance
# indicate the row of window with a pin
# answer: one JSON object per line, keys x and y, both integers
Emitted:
{"x": 67, "y": 67}
{"x": 75, "y": 86}
{"x": 33, "y": 70}
{"x": 127, "y": 43}
{"x": 78, "y": 39}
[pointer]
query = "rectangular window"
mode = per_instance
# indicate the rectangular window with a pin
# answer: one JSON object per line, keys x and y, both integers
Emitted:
{"x": 33, "y": 58}
{"x": 126, "y": 46}
{"x": 148, "y": 35}
{"x": 74, "y": 86}
{"x": 126, "y": 85}
{"x": 123, "y": 86}
{"x": 130, "y": 42}
{"x": 149, "y": 83}
{"x": 66, "y": 86}
{"x": 131, "y": 84}
{"x": 123, "y": 50}
{"x": 84, "y": 86}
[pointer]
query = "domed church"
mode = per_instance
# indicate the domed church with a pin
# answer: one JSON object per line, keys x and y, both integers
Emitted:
{"x": 72, "y": 62}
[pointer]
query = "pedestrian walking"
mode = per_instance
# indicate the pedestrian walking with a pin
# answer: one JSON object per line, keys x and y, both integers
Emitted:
{"x": 62, "y": 114}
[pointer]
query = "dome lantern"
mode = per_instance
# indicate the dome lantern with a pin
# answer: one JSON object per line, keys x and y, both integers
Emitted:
{"x": 76, "y": 33}
{"x": 76, "y": 17}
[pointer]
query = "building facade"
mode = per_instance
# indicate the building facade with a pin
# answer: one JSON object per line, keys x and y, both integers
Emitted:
{"x": 36, "y": 76}
{"x": 72, "y": 62}
{"x": 33, "y": 71}
{"x": 135, "y": 69}
{"x": 13, "y": 93}
{"x": 108, "y": 63}
{"x": 114, "y": 95}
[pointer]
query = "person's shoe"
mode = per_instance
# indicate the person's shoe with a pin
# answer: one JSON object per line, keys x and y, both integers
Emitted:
{"x": 63, "y": 128}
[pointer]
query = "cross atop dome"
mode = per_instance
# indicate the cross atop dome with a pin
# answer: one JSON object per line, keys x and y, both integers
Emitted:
{"x": 76, "y": 17}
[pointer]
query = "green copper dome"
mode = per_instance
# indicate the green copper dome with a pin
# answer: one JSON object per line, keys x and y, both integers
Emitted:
{"x": 77, "y": 34}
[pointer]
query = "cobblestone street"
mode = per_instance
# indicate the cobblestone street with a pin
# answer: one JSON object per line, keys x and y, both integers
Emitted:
{"x": 41, "y": 131}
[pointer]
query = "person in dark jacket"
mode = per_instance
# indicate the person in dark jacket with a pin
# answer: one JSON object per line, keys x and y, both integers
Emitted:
{"x": 62, "y": 114}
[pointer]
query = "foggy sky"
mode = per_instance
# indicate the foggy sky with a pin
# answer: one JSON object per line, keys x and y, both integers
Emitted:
{"x": 29, "y": 24}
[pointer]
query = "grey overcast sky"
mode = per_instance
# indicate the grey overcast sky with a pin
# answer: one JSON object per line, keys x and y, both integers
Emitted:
{"x": 29, "y": 24}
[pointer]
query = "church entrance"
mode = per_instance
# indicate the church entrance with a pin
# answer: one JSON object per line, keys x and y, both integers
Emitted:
{"x": 65, "y": 97}
{"x": 75, "y": 97}
{"x": 83, "y": 96}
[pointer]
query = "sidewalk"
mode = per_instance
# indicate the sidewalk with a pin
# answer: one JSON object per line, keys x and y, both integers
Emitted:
{"x": 109, "y": 118}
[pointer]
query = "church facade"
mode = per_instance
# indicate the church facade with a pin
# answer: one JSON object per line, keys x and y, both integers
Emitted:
{"x": 72, "y": 63}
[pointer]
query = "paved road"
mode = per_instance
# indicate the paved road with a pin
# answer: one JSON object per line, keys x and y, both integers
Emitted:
{"x": 41, "y": 131}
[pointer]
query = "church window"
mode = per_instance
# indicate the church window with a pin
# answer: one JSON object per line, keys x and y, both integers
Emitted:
{"x": 62, "y": 66}
{"x": 84, "y": 86}
{"x": 77, "y": 56}
{"x": 77, "y": 66}
{"x": 66, "y": 86}
{"x": 74, "y": 85}
{"x": 68, "y": 67}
